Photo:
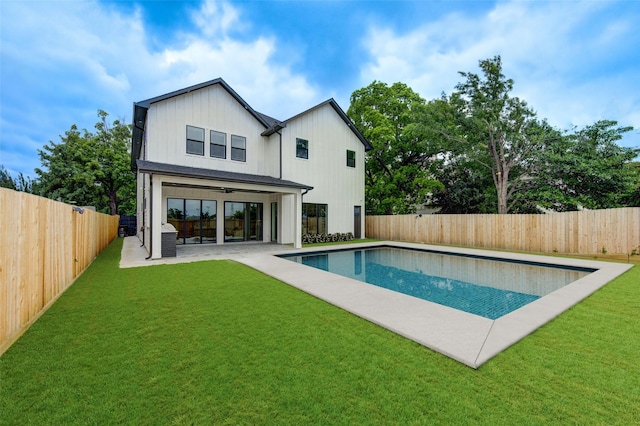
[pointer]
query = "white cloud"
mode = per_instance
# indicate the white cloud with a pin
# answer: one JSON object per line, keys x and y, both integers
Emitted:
{"x": 62, "y": 61}
{"x": 215, "y": 18}
{"x": 562, "y": 58}
{"x": 251, "y": 66}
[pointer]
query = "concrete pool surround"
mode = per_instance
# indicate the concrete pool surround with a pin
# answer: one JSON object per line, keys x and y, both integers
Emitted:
{"x": 467, "y": 338}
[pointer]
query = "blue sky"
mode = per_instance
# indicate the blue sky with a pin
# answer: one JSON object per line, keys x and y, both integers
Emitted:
{"x": 574, "y": 62}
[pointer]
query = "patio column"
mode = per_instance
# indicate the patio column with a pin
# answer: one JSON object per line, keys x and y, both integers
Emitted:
{"x": 156, "y": 221}
{"x": 220, "y": 222}
{"x": 297, "y": 224}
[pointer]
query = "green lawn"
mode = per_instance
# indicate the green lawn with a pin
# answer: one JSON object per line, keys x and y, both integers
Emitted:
{"x": 217, "y": 342}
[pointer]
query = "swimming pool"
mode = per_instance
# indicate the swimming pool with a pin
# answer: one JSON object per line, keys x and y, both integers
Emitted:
{"x": 468, "y": 338}
{"x": 483, "y": 286}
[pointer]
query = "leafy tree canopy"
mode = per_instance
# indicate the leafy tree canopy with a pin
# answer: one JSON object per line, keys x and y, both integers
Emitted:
{"x": 397, "y": 177}
{"x": 483, "y": 150}
{"x": 90, "y": 168}
{"x": 501, "y": 132}
{"x": 586, "y": 168}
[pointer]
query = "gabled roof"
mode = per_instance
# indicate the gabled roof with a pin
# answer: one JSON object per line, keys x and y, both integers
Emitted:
{"x": 210, "y": 174}
{"x": 265, "y": 120}
{"x": 279, "y": 125}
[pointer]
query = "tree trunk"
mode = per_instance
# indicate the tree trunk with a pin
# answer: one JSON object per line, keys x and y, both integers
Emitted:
{"x": 502, "y": 185}
{"x": 113, "y": 204}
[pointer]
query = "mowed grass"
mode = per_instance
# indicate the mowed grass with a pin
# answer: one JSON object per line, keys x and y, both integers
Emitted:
{"x": 216, "y": 342}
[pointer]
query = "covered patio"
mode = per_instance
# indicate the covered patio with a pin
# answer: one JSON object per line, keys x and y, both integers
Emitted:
{"x": 216, "y": 207}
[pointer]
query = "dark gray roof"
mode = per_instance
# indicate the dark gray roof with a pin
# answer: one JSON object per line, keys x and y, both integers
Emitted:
{"x": 208, "y": 174}
{"x": 260, "y": 117}
{"x": 270, "y": 120}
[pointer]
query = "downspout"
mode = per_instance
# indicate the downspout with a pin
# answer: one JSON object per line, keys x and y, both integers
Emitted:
{"x": 150, "y": 216}
{"x": 280, "y": 134}
{"x": 144, "y": 205}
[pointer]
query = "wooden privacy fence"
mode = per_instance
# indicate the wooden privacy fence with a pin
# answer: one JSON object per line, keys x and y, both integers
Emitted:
{"x": 612, "y": 231}
{"x": 44, "y": 246}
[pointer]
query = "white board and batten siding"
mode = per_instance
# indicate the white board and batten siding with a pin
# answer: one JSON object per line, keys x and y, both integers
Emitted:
{"x": 335, "y": 184}
{"x": 210, "y": 108}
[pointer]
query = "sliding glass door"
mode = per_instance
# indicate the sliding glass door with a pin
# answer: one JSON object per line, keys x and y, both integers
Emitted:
{"x": 195, "y": 220}
{"x": 242, "y": 221}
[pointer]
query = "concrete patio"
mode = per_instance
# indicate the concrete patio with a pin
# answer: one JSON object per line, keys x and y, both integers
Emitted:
{"x": 134, "y": 255}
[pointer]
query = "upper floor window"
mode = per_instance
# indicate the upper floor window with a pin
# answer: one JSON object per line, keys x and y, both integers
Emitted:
{"x": 351, "y": 158}
{"x": 218, "y": 147}
{"x": 302, "y": 148}
{"x": 238, "y": 148}
{"x": 195, "y": 140}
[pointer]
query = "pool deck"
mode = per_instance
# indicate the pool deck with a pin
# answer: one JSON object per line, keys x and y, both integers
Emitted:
{"x": 467, "y": 338}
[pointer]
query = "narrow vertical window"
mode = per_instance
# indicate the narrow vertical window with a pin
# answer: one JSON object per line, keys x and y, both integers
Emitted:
{"x": 238, "y": 148}
{"x": 351, "y": 158}
{"x": 218, "y": 146}
{"x": 302, "y": 148}
{"x": 195, "y": 140}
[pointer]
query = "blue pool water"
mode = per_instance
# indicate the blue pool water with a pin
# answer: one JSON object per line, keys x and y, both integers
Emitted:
{"x": 483, "y": 286}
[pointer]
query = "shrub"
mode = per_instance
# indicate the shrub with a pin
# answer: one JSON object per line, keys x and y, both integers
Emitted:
{"x": 326, "y": 238}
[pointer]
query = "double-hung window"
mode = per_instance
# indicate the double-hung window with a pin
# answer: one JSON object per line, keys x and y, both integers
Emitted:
{"x": 238, "y": 148}
{"x": 218, "y": 148}
{"x": 302, "y": 148}
{"x": 195, "y": 140}
{"x": 351, "y": 158}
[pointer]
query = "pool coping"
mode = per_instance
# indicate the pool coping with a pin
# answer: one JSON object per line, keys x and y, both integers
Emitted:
{"x": 467, "y": 338}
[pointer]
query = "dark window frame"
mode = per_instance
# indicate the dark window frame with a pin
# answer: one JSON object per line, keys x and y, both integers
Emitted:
{"x": 250, "y": 219}
{"x": 351, "y": 162}
{"x": 180, "y": 221}
{"x": 302, "y": 148}
{"x": 195, "y": 142}
{"x": 235, "y": 150}
{"x": 317, "y": 210}
{"x": 213, "y": 145}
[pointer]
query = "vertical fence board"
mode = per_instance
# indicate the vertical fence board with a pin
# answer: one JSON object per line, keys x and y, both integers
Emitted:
{"x": 44, "y": 246}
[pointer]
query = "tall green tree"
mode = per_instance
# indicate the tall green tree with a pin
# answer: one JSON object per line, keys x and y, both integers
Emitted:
{"x": 114, "y": 176}
{"x": 397, "y": 175}
{"x": 587, "y": 168}
{"x": 500, "y": 131}
{"x": 89, "y": 168}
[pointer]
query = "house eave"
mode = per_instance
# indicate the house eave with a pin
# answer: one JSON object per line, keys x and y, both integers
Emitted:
{"x": 216, "y": 175}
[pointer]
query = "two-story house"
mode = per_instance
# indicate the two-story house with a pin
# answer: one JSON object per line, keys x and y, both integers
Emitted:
{"x": 221, "y": 172}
